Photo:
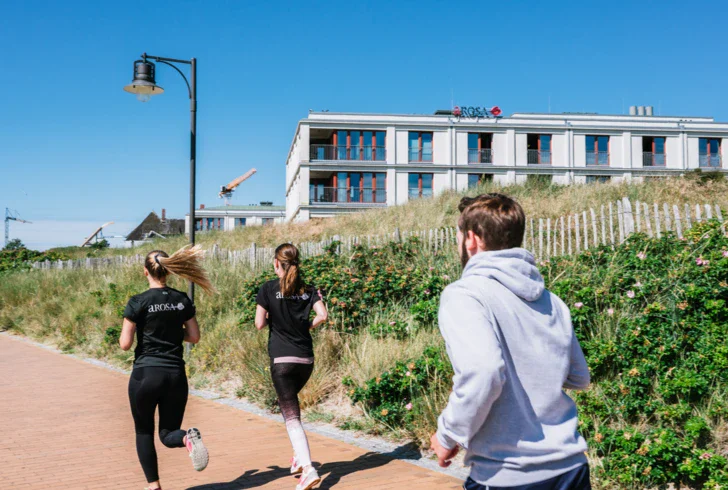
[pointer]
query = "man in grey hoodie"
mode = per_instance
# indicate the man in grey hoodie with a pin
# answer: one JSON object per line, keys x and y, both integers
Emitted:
{"x": 513, "y": 351}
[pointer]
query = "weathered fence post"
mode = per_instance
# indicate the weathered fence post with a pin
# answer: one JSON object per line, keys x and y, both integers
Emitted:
{"x": 678, "y": 224}
{"x": 578, "y": 232}
{"x": 611, "y": 223}
{"x": 620, "y": 220}
{"x": 668, "y": 221}
{"x": 638, "y": 215}
{"x": 540, "y": 239}
{"x": 628, "y": 217}
{"x": 562, "y": 236}
{"x": 648, "y": 223}
{"x": 657, "y": 221}
{"x": 594, "y": 227}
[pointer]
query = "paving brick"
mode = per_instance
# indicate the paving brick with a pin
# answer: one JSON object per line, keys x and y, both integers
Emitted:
{"x": 67, "y": 425}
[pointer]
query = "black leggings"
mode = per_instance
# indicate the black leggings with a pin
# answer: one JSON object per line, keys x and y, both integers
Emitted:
{"x": 150, "y": 387}
{"x": 288, "y": 380}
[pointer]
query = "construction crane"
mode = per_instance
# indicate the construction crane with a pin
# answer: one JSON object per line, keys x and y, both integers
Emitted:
{"x": 11, "y": 216}
{"x": 226, "y": 191}
{"x": 97, "y": 234}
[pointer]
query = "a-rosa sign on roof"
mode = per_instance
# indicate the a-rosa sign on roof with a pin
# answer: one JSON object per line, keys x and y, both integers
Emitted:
{"x": 476, "y": 112}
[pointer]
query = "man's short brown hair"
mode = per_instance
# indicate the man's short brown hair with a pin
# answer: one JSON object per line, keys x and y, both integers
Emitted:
{"x": 497, "y": 219}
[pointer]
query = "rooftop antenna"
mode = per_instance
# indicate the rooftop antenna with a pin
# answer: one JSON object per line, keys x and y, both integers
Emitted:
{"x": 226, "y": 191}
{"x": 11, "y": 216}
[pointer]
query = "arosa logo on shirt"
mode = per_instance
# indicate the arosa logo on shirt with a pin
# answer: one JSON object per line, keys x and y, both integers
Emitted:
{"x": 303, "y": 297}
{"x": 166, "y": 307}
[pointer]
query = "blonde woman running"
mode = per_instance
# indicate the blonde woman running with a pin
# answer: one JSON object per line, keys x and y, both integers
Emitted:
{"x": 162, "y": 319}
{"x": 285, "y": 305}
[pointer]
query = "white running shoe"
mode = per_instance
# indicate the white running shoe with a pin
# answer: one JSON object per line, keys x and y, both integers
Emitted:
{"x": 296, "y": 468}
{"x": 198, "y": 451}
{"x": 308, "y": 480}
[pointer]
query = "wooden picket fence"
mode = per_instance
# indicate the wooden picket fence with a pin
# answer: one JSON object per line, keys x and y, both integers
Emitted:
{"x": 544, "y": 237}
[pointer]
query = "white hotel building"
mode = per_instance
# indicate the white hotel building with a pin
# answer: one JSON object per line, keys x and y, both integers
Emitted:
{"x": 343, "y": 162}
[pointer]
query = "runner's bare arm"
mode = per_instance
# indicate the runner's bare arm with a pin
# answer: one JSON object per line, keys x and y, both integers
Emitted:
{"x": 192, "y": 331}
{"x": 322, "y": 314}
{"x": 128, "y": 329}
{"x": 261, "y": 317}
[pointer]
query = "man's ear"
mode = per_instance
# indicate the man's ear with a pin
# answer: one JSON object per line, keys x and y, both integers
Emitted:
{"x": 474, "y": 243}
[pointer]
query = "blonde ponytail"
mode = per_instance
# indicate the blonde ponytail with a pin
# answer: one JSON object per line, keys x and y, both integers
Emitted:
{"x": 185, "y": 263}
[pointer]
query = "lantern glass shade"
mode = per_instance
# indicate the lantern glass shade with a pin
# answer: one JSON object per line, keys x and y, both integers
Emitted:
{"x": 144, "y": 82}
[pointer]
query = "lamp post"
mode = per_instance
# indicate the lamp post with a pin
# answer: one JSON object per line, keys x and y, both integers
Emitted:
{"x": 144, "y": 85}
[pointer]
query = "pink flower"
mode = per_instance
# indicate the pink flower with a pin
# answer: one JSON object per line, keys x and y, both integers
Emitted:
{"x": 392, "y": 323}
{"x": 641, "y": 256}
{"x": 408, "y": 374}
{"x": 638, "y": 284}
{"x": 408, "y": 406}
{"x": 432, "y": 268}
{"x": 725, "y": 253}
{"x": 610, "y": 311}
{"x": 699, "y": 261}
{"x": 630, "y": 294}
{"x": 427, "y": 291}
{"x": 578, "y": 305}
{"x": 446, "y": 277}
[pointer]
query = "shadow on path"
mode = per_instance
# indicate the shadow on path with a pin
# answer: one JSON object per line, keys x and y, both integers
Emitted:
{"x": 331, "y": 473}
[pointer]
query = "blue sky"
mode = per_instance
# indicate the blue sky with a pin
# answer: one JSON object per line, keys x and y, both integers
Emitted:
{"x": 75, "y": 147}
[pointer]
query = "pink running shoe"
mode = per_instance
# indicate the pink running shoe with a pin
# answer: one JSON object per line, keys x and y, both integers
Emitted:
{"x": 296, "y": 468}
{"x": 309, "y": 479}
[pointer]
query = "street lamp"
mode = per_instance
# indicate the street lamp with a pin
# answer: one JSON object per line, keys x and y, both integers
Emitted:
{"x": 144, "y": 85}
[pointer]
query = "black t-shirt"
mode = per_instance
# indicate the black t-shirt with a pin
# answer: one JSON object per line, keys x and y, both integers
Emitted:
{"x": 288, "y": 320}
{"x": 159, "y": 314}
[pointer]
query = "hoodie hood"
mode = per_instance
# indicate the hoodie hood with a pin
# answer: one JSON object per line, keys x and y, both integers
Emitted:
{"x": 514, "y": 268}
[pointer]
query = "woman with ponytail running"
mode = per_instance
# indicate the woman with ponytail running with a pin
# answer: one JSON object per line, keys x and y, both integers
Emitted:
{"x": 162, "y": 319}
{"x": 285, "y": 305}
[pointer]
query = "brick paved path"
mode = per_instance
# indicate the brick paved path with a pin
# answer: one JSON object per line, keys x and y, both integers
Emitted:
{"x": 66, "y": 424}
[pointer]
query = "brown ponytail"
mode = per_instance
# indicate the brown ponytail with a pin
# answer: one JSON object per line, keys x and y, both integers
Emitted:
{"x": 184, "y": 263}
{"x": 288, "y": 257}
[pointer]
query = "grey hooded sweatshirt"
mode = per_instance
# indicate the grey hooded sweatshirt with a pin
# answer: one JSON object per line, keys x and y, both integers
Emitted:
{"x": 513, "y": 350}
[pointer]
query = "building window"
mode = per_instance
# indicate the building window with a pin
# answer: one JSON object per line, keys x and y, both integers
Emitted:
{"x": 653, "y": 151}
{"x": 420, "y": 147}
{"x": 709, "y": 152}
{"x": 539, "y": 149}
{"x": 351, "y": 145}
{"x": 480, "y": 148}
{"x": 367, "y": 187}
{"x": 420, "y": 185}
{"x": 601, "y": 179}
{"x": 474, "y": 180}
{"x": 239, "y": 222}
{"x": 597, "y": 150}
{"x": 268, "y": 221}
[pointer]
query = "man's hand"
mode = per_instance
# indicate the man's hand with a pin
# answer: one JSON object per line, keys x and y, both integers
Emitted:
{"x": 444, "y": 456}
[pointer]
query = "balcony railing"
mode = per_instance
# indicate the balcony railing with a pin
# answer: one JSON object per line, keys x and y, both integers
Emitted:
{"x": 710, "y": 161}
{"x": 347, "y": 195}
{"x": 650, "y": 159}
{"x": 420, "y": 155}
{"x": 597, "y": 158}
{"x": 539, "y": 157}
{"x": 353, "y": 153}
{"x": 418, "y": 194}
{"x": 480, "y": 156}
